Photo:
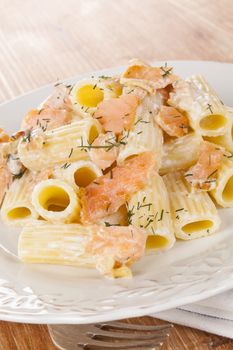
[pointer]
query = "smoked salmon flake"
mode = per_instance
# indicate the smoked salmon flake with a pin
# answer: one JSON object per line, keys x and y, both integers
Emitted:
{"x": 172, "y": 121}
{"x": 203, "y": 175}
{"x": 109, "y": 192}
{"x": 117, "y": 114}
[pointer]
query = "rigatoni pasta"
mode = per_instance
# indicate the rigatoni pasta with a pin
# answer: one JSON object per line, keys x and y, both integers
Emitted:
{"x": 223, "y": 192}
{"x": 180, "y": 153}
{"x": 56, "y": 201}
{"x": 61, "y": 145}
{"x": 194, "y": 215}
{"x": 225, "y": 140}
{"x": 149, "y": 208}
{"x": 88, "y": 93}
{"x": 78, "y": 174}
{"x": 206, "y": 113}
{"x": 112, "y": 168}
{"x": 17, "y": 208}
{"x": 144, "y": 136}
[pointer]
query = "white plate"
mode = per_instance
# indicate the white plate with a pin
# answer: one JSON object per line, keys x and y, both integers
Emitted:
{"x": 191, "y": 271}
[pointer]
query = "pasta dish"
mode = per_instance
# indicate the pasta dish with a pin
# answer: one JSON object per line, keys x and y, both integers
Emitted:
{"x": 113, "y": 167}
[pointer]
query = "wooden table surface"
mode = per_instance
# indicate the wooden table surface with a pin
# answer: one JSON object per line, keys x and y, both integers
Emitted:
{"x": 41, "y": 41}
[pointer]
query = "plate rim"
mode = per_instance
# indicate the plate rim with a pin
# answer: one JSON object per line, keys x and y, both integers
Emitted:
{"x": 124, "y": 312}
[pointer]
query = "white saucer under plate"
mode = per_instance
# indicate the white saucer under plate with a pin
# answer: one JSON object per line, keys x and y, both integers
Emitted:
{"x": 191, "y": 271}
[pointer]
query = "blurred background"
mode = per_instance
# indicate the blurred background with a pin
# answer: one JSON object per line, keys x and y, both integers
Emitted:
{"x": 42, "y": 41}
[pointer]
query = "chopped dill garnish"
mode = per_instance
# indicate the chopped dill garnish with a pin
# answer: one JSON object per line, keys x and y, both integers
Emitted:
{"x": 129, "y": 92}
{"x": 111, "y": 174}
{"x": 179, "y": 209}
{"x": 143, "y": 200}
{"x": 149, "y": 222}
{"x": 107, "y": 224}
{"x": 27, "y": 137}
{"x": 71, "y": 151}
{"x": 165, "y": 70}
{"x": 161, "y": 215}
{"x": 41, "y": 110}
{"x": 109, "y": 144}
{"x": 177, "y": 217}
{"x": 186, "y": 175}
{"x": 210, "y": 108}
{"x": 140, "y": 132}
{"x": 130, "y": 214}
{"x": 94, "y": 87}
{"x": 215, "y": 171}
{"x": 103, "y": 77}
{"x": 66, "y": 165}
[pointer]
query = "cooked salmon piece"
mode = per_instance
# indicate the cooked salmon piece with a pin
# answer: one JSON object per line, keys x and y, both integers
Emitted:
{"x": 54, "y": 112}
{"x": 104, "y": 157}
{"x": 4, "y": 137}
{"x": 116, "y": 246}
{"x": 203, "y": 175}
{"x": 45, "y": 119}
{"x": 159, "y": 76}
{"x": 60, "y": 99}
{"x": 108, "y": 193}
{"x": 172, "y": 121}
{"x": 117, "y": 114}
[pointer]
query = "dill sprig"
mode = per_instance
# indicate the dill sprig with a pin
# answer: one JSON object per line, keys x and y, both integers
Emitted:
{"x": 215, "y": 171}
{"x": 109, "y": 144}
{"x": 130, "y": 213}
{"x": 66, "y": 165}
{"x": 27, "y": 137}
{"x": 165, "y": 70}
{"x": 71, "y": 152}
{"x": 161, "y": 215}
{"x": 179, "y": 209}
{"x": 209, "y": 107}
{"x": 107, "y": 224}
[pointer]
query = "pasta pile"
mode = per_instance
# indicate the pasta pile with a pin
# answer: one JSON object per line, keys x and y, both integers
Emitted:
{"x": 113, "y": 167}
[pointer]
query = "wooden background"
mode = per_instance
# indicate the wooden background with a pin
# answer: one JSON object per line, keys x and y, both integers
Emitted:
{"x": 41, "y": 41}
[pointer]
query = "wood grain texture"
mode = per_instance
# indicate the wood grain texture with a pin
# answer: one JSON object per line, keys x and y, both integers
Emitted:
{"x": 41, "y": 41}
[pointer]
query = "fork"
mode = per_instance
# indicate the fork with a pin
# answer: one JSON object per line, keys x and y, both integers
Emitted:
{"x": 112, "y": 336}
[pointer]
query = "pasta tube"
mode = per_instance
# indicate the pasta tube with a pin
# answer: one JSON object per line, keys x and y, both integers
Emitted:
{"x": 110, "y": 249}
{"x": 56, "y": 201}
{"x": 17, "y": 208}
{"x": 225, "y": 140}
{"x": 145, "y": 136}
{"x": 180, "y": 153}
{"x": 78, "y": 174}
{"x": 87, "y": 94}
{"x": 149, "y": 208}
{"x": 207, "y": 115}
{"x": 61, "y": 145}
{"x": 194, "y": 215}
{"x": 223, "y": 192}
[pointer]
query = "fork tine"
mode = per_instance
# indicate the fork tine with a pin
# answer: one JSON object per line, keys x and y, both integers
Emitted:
{"x": 99, "y": 345}
{"x": 107, "y": 335}
{"x": 132, "y": 327}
